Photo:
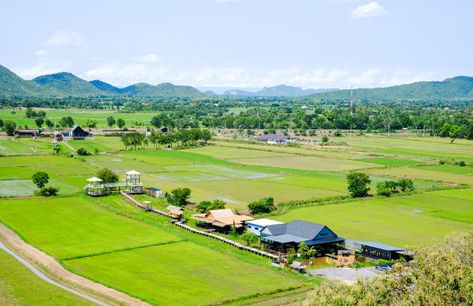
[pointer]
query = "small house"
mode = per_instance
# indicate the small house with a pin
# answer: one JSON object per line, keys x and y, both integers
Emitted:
{"x": 255, "y": 226}
{"x": 175, "y": 212}
{"x": 222, "y": 219}
{"x": 58, "y": 136}
{"x": 77, "y": 133}
{"x": 281, "y": 237}
{"x": 154, "y": 192}
{"x": 380, "y": 251}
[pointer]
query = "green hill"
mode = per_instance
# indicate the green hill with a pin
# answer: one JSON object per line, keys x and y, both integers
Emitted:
{"x": 105, "y": 87}
{"x": 456, "y": 88}
{"x": 67, "y": 84}
{"x": 13, "y": 85}
{"x": 161, "y": 90}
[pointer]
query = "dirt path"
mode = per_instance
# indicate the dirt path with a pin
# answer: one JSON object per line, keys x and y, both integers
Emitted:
{"x": 49, "y": 266}
{"x": 44, "y": 277}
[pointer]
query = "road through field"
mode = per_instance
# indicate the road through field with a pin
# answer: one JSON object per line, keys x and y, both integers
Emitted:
{"x": 11, "y": 239}
{"x": 46, "y": 278}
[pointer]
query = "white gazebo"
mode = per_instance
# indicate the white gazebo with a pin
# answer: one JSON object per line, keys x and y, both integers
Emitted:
{"x": 94, "y": 186}
{"x": 133, "y": 181}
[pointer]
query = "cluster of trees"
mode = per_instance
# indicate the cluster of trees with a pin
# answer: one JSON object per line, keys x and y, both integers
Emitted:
{"x": 180, "y": 138}
{"x": 265, "y": 205}
{"x": 442, "y": 118}
{"x": 387, "y": 188}
{"x": 41, "y": 179}
{"x": 303, "y": 251}
{"x": 206, "y": 206}
{"x": 119, "y": 122}
{"x": 134, "y": 140}
{"x": 178, "y": 196}
{"x": 107, "y": 176}
{"x": 440, "y": 275}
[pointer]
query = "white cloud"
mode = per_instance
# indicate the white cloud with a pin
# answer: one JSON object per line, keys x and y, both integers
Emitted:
{"x": 64, "y": 38}
{"x": 372, "y": 9}
{"x": 41, "y": 68}
{"x": 149, "y": 58}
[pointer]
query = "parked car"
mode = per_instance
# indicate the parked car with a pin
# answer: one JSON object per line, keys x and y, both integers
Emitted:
{"x": 384, "y": 267}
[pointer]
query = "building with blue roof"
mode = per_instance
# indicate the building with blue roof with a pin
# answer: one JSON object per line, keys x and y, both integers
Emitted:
{"x": 281, "y": 237}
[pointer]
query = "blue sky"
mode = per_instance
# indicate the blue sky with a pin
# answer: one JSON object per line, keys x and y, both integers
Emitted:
{"x": 240, "y": 43}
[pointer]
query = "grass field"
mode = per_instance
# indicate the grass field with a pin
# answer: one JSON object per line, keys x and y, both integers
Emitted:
{"x": 19, "y": 286}
{"x": 53, "y": 226}
{"x": 148, "y": 260}
{"x": 408, "y": 220}
{"x": 80, "y": 116}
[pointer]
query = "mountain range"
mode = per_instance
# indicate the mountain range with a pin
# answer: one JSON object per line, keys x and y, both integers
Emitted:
{"x": 65, "y": 84}
{"x": 277, "y": 91}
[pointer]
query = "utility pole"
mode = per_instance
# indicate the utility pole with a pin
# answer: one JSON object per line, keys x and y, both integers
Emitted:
{"x": 351, "y": 99}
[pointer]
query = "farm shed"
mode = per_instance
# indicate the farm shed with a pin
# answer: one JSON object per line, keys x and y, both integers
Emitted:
{"x": 27, "y": 133}
{"x": 255, "y": 226}
{"x": 175, "y": 212}
{"x": 154, "y": 192}
{"x": 222, "y": 219}
{"x": 274, "y": 139}
{"x": 77, "y": 133}
{"x": 380, "y": 251}
{"x": 281, "y": 237}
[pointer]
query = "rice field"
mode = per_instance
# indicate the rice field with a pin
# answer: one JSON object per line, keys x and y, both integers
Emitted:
{"x": 148, "y": 260}
{"x": 405, "y": 220}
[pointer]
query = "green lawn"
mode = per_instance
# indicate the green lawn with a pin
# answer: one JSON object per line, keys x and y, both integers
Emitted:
{"x": 19, "y": 286}
{"x": 414, "y": 220}
{"x": 391, "y": 162}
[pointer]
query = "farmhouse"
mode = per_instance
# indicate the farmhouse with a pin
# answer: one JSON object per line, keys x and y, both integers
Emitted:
{"x": 274, "y": 139}
{"x": 381, "y": 251}
{"x": 255, "y": 226}
{"x": 222, "y": 219}
{"x": 281, "y": 237}
{"x": 77, "y": 133}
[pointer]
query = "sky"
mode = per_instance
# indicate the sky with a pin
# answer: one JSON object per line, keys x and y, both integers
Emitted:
{"x": 240, "y": 43}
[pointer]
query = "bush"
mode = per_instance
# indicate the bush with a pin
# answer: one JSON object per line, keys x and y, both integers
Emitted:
{"x": 461, "y": 163}
{"x": 48, "y": 191}
{"x": 264, "y": 205}
{"x": 249, "y": 238}
{"x": 358, "y": 184}
{"x": 442, "y": 162}
{"x": 82, "y": 152}
{"x": 9, "y": 127}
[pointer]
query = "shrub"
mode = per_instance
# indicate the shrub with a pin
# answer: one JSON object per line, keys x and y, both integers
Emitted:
{"x": 264, "y": 205}
{"x": 405, "y": 185}
{"x": 40, "y": 179}
{"x": 82, "y": 152}
{"x": 461, "y": 163}
{"x": 442, "y": 162}
{"x": 358, "y": 184}
{"x": 48, "y": 191}
{"x": 249, "y": 238}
